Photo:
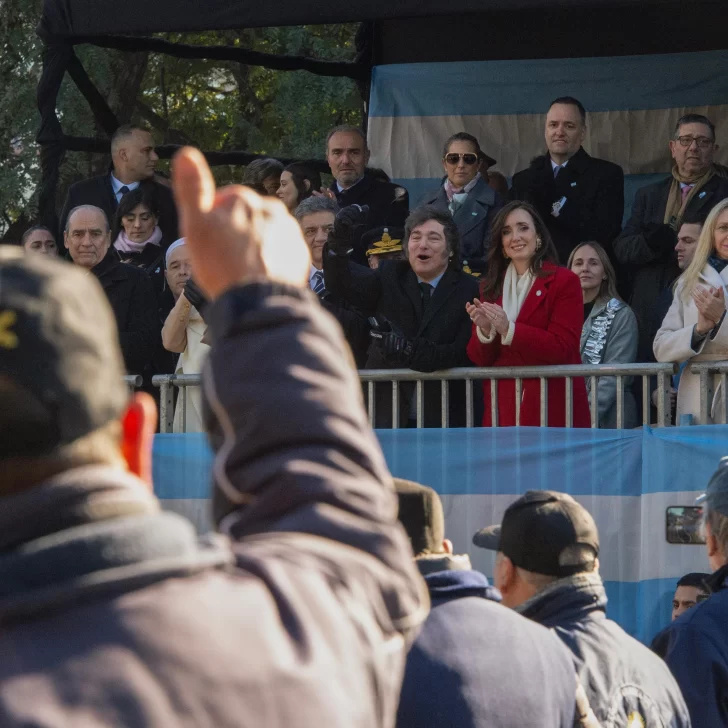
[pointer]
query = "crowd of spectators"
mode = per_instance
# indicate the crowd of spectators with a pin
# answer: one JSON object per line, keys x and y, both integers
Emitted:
{"x": 474, "y": 273}
{"x": 334, "y": 597}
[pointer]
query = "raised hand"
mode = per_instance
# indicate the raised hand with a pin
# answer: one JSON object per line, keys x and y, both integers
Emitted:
{"x": 234, "y": 235}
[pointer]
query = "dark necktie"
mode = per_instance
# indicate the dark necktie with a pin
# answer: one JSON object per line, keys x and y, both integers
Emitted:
{"x": 317, "y": 283}
{"x": 123, "y": 190}
{"x": 557, "y": 169}
{"x": 426, "y": 290}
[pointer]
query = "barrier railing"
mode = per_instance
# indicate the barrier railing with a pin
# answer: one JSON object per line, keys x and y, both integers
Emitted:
{"x": 707, "y": 370}
{"x": 490, "y": 376}
{"x": 133, "y": 381}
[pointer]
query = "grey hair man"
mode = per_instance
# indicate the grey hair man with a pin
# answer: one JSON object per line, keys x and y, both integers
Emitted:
{"x": 547, "y": 569}
{"x": 695, "y": 646}
{"x": 112, "y": 612}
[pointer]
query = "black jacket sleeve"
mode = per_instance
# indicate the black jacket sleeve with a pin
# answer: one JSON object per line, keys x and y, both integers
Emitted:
{"x": 349, "y": 281}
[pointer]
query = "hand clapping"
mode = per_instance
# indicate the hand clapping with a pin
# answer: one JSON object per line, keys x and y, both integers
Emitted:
{"x": 487, "y": 316}
{"x": 710, "y": 303}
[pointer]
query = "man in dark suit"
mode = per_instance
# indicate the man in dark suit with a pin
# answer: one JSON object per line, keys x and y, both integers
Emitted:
{"x": 133, "y": 163}
{"x": 579, "y": 197}
{"x": 419, "y": 305}
{"x": 348, "y": 155}
{"x": 647, "y": 243}
{"x": 468, "y": 198}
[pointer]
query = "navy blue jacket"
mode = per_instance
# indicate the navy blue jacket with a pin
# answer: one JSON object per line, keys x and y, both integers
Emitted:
{"x": 695, "y": 647}
{"x": 477, "y": 663}
{"x": 623, "y": 680}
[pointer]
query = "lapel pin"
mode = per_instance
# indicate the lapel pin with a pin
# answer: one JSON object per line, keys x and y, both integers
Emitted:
{"x": 573, "y": 184}
{"x": 539, "y": 292}
{"x": 701, "y": 195}
{"x": 473, "y": 213}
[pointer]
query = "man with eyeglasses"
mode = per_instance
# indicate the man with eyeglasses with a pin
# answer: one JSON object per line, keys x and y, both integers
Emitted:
{"x": 647, "y": 243}
{"x": 578, "y": 196}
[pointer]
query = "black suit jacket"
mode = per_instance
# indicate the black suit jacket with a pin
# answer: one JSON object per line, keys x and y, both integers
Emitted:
{"x": 98, "y": 191}
{"x": 646, "y": 249}
{"x": 473, "y": 219}
{"x": 388, "y": 206}
{"x": 134, "y": 302}
{"x": 439, "y": 332}
{"x": 594, "y": 192}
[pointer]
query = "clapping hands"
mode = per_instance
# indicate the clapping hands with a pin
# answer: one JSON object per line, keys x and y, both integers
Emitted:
{"x": 710, "y": 303}
{"x": 488, "y": 316}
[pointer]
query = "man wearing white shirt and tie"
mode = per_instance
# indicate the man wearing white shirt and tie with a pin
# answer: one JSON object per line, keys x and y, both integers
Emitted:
{"x": 134, "y": 162}
{"x": 316, "y": 216}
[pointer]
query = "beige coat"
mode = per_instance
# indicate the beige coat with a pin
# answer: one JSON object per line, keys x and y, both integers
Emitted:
{"x": 672, "y": 344}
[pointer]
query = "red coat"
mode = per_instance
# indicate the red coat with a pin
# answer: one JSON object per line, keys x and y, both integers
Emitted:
{"x": 547, "y": 332}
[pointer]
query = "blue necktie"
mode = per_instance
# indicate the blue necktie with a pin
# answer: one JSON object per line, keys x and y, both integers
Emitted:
{"x": 557, "y": 169}
{"x": 317, "y": 283}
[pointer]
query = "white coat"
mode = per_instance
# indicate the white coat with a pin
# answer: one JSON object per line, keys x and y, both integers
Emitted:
{"x": 673, "y": 344}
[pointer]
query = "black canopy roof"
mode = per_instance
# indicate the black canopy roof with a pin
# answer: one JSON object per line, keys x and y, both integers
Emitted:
{"x": 76, "y": 18}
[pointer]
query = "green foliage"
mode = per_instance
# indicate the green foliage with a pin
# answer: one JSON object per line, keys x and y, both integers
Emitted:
{"x": 216, "y": 105}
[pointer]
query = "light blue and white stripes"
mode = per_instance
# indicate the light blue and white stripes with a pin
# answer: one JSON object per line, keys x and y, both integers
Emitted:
{"x": 633, "y": 104}
{"x": 626, "y": 479}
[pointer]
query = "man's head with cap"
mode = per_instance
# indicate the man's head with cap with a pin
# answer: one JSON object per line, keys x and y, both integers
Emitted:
{"x": 64, "y": 402}
{"x": 421, "y": 514}
{"x": 544, "y": 536}
{"x": 715, "y": 513}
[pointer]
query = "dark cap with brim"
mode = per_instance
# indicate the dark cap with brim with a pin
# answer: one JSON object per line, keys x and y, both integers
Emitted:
{"x": 539, "y": 531}
{"x": 60, "y": 364}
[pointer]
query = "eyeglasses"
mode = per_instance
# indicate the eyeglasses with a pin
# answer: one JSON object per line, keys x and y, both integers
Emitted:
{"x": 702, "y": 142}
{"x": 469, "y": 159}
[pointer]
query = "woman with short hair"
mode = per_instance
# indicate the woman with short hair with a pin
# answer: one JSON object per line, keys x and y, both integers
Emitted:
{"x": 609, "y": 334}
{"x": 529, "y": 314}
{"x": 694, "y": 328}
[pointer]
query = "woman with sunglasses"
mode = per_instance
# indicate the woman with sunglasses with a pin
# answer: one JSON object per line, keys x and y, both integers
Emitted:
{"x": 466, "y": 195}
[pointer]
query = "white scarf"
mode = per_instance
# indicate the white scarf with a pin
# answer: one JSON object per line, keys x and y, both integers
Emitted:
{"x": 124, "y": 245}
{"x": 515, "y": 291}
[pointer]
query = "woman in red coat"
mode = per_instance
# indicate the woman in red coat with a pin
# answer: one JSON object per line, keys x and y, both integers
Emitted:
{"x": 531, "y": 314}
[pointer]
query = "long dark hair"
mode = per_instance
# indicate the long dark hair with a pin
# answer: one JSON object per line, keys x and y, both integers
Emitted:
{"x": 142, "y": 195}
{"x": 492, "y": 285}
{"x": 300, "y": 174}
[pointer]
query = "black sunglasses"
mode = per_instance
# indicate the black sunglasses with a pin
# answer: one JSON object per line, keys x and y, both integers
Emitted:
{"x": 467, "y": 158}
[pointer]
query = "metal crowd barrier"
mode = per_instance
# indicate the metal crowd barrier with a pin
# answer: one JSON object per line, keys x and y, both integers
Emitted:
{"x": 133, "y": 381}
{"x": 661, "y": 372}
{"x": 707, "y": 370}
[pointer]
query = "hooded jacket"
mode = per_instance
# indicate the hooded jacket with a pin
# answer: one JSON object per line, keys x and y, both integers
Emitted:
{"x": 624, "y": 681}
{"x": 695, "y": 648}
{"x": 468, "y": 667}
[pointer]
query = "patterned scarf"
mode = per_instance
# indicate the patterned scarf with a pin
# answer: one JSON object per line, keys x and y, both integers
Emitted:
{"x": 457, "y": 195}
{"x": 675, "y": 208}
{"x": 717, "y": 263}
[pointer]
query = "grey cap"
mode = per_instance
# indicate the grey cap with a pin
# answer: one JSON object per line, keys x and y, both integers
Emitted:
{"x": 715, "y": 497}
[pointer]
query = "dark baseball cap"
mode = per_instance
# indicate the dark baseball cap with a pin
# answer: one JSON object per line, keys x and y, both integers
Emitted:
{"x": 715, "y": 497}
{"x": 538, "y": 529}
{"x": 421, "y": 514}
{"x": 60, "y": 364}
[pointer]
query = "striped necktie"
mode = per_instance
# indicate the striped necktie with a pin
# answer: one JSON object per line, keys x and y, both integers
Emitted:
{"x": 317, "y": 283}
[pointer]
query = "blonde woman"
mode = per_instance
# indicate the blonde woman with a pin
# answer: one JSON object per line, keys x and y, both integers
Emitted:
{"x": 609, "y": 334}
{"x": 694, "y": 328}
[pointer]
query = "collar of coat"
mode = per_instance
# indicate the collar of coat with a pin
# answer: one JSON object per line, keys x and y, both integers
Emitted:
{"x": 450, "y": 576}
{"x": 111, "y": 268}
{"x": 89, "y": 532}
{"x": 578, "y": 163}
{"x": 571, "y": 599}
{"x": 718, "y": 581}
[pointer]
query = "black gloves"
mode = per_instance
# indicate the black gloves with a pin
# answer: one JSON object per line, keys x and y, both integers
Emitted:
{"x": 397, "y": 348}
{"x": 196, "y": 297}
{"x": 348, "y": 218}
